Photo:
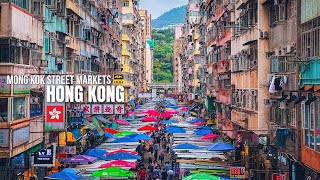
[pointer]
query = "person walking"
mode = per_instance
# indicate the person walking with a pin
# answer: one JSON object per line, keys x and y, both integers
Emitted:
{"x": 161, "y": 157}
{"x": 164, "y": 174}
{"x": 156, "y": 149}
{"x": 142, "y": 174}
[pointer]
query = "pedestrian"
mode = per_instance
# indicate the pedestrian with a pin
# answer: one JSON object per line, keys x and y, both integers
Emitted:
{"x": 156, "y": 149}
{"x": 170, "y": 174}
{"x": 150, "y": 160}
{"x": 150, "y": 167}
{"x": 167, "y": 166}
{"x": 161, "y": 157}
{"x": 164, "y": 174}
{"x": 156, "y": 173}
{"x": 151, "y": 149}
{"x": 142, "y": 174}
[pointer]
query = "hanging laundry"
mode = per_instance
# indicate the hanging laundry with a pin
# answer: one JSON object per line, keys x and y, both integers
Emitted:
{"x": 281, "y": 137}
{"x": 272, "y": 86}
{"x": 278, "y": 84}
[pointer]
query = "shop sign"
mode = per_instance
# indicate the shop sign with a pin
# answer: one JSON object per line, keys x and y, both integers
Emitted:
{"x": 4, "y": 137}
{"x": 55, "y": 117}
{"x": 45, "y": 157}
{"x": 108, "y": 109}
{"x": 21, "y": 88}
{"x": 4, "y": 87}
{"x": 276, "y": 176}
{"x": 237, "y": 172}
{"x": 118, "y": 79}
{"x": 75, "y": 117}
{"x": 21, "y": 136}
{"x": 67, "y": 149}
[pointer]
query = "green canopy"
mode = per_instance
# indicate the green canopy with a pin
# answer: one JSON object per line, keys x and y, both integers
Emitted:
{"x": 124, "y": 133}
{"x": 201, "y": 177}
{"x": 112, "y": 172}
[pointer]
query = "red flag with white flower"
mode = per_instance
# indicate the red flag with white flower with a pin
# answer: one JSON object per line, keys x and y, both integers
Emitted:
{"x": 55, "y": 117}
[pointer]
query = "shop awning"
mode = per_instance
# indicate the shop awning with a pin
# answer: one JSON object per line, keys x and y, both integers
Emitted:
{"x": 98, "y": 126}
{"x": 76, "y": 133}
{"x": 102, "y": 119}
{"x": 89, "y": 124}
{"x": 63, "y": 136}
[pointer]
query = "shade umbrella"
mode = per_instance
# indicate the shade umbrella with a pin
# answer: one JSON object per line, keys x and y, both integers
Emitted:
{"x": 153, "y": 112}
{"x": 175, "y": 130}
{"x": 124, "y": 140}
{"x": 184, "y": 109}
{"x": 186, "y": 146}
{"x": 121, "y": 151}
{"x": 140, "y": 137}
{"x": 202, "y": 132}
{"x": 205, "y": 127}
{"x": 220, "y": 146}
{"x": 166, "y": 115}
{"x": 110, "y": 130}
{"x": 120, "y": 164}
{"x": 109, "y": 135}
{"x": 148, "y": 119}
{"x": 64, "y": 175}
{"x": 123, "y": 156}
{"x": 112, "y": 172}
{"x": 201, "y": 176}
{"x": 210, "y": 136}
{"x": 124, "y": 133}
{"x": 170, "y": 121}
{"x": 147, "y": 128}
{"x": 70, "y": 171}
{"x": 79, "y": 159}
{"x": 96, "y": 152}
{"x": 197, "y": 120}
{"x": 121, "y": 122}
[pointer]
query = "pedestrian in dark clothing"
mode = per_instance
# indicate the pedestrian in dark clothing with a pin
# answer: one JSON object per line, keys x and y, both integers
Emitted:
{"x": 150, "y": 160}
{"x": 150, "y": 167}
{"x": 161, "y": 158}
{"x": 164, "y": 174}
{"x": 151, "y": 149}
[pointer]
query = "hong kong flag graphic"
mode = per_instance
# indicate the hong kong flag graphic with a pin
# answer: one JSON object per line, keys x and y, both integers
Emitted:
{"x": 55, "y": 113}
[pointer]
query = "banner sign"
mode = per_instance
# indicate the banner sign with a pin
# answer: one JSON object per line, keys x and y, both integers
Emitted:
{"x": 276, "y": 176}
{"x": 108, "y": 109}
{"x": 118, "y": 79}
{"x": 237, "y": 172}
{"x": 67, "y": 149}
{"x": 75, "y": 117}
{"x": 45, "y": 157}
{"x": 55, "y": 117}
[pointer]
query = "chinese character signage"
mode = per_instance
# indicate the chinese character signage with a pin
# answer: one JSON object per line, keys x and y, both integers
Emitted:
{"x": 86, "y": 108}
{"x": 118, "y": 79}
{"x": 45, "y": 157}
{"x": 237, "y": 172}
{"x": 67, "y": 150}
{"x": 108, "y": 109}
{"x": 75, "y": 117}
{"x": 119, "y": 109}
{"x": 55, "y": 120}
{"x": 96, "y": 109}
{"x": 276, "y": 176}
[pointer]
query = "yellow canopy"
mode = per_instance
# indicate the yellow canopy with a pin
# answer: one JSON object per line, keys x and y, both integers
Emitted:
{"x": 211, "y": 122}
{"x": 62, "y": 138}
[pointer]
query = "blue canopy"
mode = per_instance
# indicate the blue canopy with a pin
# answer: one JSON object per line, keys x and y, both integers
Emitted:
{"x": 76, "y": 133}
{"x": 109, "y": 135}
{"x": 169, "y": 121}
{"x": 197, "y": 120}
{"x": 124, "y": 139}
{"x": 186, "y": 146}
{"x": 64, "y": 175}
{"x": 205, "y": 127}
{"x": 202, "y": 132}
{"x": 70, "y": 171}
{"x": 140, "y": 137}
{"x": 175, "y": 130}
{"x": 96, "y": 152}
{"x": 220, "y": 146}
{"x": 122, "y": 156}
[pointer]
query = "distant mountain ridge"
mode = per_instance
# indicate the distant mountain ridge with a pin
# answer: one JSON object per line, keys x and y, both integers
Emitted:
{"x": 172, "y": 17}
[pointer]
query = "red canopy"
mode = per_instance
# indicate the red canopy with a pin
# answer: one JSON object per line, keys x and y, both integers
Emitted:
{"x": 153, "y": 112}
{"x": 166, "y": 115}
{"x": 119, "y": 163}
{"x": 149, "y": 119}
{"x": 172, "y": 111}
{"x": 121, "y": 151}
{"x": 110, "y": 130}
{"x": 199, "y": 123}
{"x": 147, "y": 128}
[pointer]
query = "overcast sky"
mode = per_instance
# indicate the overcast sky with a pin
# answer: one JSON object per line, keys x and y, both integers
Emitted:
{"x": 158, "y": 7}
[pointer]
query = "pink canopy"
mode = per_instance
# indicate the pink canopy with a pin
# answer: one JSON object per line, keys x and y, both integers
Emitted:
{"x": 119, "y": 163}
{"x": 199, "y": 123}
{"x": 121, "y": 151}
{"x": 184, "y": 109}
{"x": 172, "y": 111}
{"x": 148, "y": 119}
{"x": 210, "y": 136}
{"x": 153, "y": 112}
{"x": 121, "y": 122}
{"x": 166, "y": 115}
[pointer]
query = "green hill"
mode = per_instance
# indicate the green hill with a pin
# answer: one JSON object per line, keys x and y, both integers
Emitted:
{"x": 174, "y": 16}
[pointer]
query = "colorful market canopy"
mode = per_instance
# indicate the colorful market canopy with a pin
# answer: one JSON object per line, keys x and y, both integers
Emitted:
{"x": 175, "y": 130}
{"x": 220, "y": 146}
{"x": 79, "y": 159}
{"x": 140, "y": 137}
{"x": 153, "y": 112}
{"x": 119, "y": 163}
{"x": 166, "y": 115}
{"x": 197, "y": 120}
{"x": 170, "y": 121}
{"x": 112, "y": 172}
{"x": 64, "y": 175}
{"x": 121, "y": 122}
{"x": 110, "y": 130}
{"x": 148, "y": 119}
{"x": 210, "y": 136}
{"x": 96, "y": 152}
{"x": 121, "y": 151}
{"x": 124, "y": 133}
{"x": 147, "y": 128}
{"x": 202, "y": 132}
{"x": 122, "y": 156}
{"x": 186, "y": 146}
{"x": 124, "y": 140}
{"x": 201, "y": 176}
{"x": 176, "y": 118}
{"x": 109, "y": 135}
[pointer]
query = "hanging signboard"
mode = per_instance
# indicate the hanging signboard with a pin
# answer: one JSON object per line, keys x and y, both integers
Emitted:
{"x": 108, "y": 109}
{"x": 55, "y": 117}
{"x": 67, "y": 149}
{"x": 96, "y": 109}
{"x": 75, "y": 117}
{"x": 119, "y": 108}
{"x": 86, "y": 108}
{"x": 237, "y": 172}
{"x": 45, "y": 157}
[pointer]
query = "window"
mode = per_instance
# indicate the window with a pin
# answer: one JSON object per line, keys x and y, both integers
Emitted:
{"x": 278, "y": 12}
{"x": 4, "y": 110}
{"x": 36, "y": 105}
{"x": 19, "y": 108}
{"x": 125, "y": 4}
{"x": 311, "y": 124}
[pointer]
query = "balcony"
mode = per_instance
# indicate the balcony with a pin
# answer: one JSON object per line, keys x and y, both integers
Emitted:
{"x": 73, "y": 7}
